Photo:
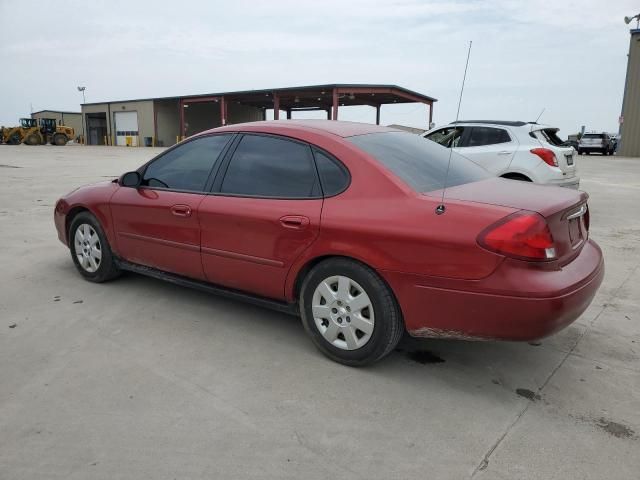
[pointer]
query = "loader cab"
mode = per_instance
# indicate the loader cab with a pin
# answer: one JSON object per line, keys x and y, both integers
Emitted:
{"x": 48, "y": 125}
{"x": 28, "y": 122}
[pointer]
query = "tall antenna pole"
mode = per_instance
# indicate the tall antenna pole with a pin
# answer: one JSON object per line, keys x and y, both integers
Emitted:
{"x": 441, "y": 208}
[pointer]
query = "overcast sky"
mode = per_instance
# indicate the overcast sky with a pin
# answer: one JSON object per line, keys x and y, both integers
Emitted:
{"x": 568, "y": 57}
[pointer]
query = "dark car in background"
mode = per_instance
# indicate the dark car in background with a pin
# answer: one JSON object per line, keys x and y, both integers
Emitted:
{"x": 596, "y": 142}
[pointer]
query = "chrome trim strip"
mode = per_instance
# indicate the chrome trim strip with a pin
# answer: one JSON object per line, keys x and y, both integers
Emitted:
{"x": 581, "y": 211}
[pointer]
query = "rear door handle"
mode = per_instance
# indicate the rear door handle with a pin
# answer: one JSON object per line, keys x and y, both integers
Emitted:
{"x": 296, "y": 222}
{"x": 504, "y": 152}
{"x": 181, "y": 210}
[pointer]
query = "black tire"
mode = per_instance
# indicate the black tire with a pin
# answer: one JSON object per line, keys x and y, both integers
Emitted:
{"x": 580, "y": 152}
{"x": 59, "y": 140}
{"x": 605, "y": 152}
{"x": 33, "y": 139}
{"x": 107, "y": 268}
{"x": 14, "y": 139}
{"x": 388, "y": 324}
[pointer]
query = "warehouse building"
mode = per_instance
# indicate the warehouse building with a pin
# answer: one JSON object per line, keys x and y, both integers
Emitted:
{"x": 630, "y": 118}
{"x": 70, "y": 119}
{"x": 165, "y": 121}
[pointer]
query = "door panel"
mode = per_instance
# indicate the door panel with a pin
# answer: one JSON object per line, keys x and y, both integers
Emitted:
{"x": 159, "y": 229}
{"x": 250, "y": 243}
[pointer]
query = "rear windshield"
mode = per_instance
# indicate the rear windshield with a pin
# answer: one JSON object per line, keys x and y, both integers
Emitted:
{"x": 549, "y": 135}
{"x": 593, "y": 135}
{"x": 421, "y": 163}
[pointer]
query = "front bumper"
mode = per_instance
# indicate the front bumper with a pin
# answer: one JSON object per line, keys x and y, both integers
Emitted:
{"x": 512, "y": 304}
{"x": 60, "y": 219}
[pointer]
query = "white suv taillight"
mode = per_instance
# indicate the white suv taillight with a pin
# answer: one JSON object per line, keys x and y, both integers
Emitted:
{"x": 546, "y": 155}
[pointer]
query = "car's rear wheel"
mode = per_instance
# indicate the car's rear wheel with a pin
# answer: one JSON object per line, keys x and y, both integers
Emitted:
{"x": 350, "y": 313}
{"x": 90, "y": 249}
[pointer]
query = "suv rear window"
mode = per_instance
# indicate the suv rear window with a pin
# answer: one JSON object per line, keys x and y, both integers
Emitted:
{"x": 481, "y": 136}
{"x": 549, "y": 135}
{"x": 420, "y": 164}
{"x": 593, "y": 135}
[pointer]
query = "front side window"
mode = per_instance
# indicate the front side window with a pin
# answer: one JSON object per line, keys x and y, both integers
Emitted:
{"x": 481, "y": 136}
{"x": 186, "y": 167}
{"x": 421, "y": 165}
{"x": 267, "y": 166}
{"x": 447, "y": 136}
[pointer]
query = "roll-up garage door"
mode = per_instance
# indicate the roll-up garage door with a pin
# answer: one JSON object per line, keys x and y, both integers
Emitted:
{"x": 127, "y": 128}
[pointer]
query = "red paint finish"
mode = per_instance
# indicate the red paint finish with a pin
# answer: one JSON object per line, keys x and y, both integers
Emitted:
{"x": 250, "y": 244}
{"x": 158, "y": 229}
{"x": 445, "y": 282}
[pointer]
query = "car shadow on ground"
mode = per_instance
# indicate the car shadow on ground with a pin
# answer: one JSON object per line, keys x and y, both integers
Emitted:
{"x": 493, "y": 368}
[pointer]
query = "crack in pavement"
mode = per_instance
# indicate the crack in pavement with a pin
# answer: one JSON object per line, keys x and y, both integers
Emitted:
{"x": 484, "y": 463}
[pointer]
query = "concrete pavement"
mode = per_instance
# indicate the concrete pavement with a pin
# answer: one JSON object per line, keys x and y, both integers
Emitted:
{"x": 142, "y": 379}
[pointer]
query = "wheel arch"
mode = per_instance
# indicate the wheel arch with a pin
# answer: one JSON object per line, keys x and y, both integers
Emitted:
{"x": 516, "y": 176}
{"x": 71, "y": 214}
{"x": 293, "y": 292}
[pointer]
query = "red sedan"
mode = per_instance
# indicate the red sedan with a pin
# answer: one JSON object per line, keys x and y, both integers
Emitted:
{"x": 342, "y": 224}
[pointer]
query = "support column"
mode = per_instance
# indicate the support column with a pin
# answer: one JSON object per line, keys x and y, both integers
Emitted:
{"x": 288, "y": 114}
{"x": 377, "y": 114}
{"x": 334, "y": 110}
{"x": 155, "y": 125}
{"x": 329, "y": 113}
{"x": 276, "y": 107}
{"x": 223, "y": 111}
{"x": 264, "y": 114}
{"x": 430, "y": 114}
{"x": 181, "y": 107}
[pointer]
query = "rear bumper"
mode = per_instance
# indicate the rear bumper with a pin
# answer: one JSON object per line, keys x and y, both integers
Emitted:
{"x": 512, "y": 304}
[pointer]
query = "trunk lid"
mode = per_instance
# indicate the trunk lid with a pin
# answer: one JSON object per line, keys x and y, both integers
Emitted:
{"x": 565, "y": 210}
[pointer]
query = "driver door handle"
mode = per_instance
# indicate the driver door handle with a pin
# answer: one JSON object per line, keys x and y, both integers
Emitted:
{"x": 181, "y": 210}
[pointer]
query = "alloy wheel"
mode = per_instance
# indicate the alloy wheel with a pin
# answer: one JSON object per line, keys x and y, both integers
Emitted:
{"x": 343, "y": 312}
{"x": 87, "y": 248}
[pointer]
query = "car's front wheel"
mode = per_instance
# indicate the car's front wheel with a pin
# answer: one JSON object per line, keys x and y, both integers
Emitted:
{"x": 350, "y": 313}
{"x": 90, "y": 249}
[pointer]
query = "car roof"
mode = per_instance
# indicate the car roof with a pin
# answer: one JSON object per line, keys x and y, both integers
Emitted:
{"x": 334, "y": 127}
{"x": 506, "y": 123}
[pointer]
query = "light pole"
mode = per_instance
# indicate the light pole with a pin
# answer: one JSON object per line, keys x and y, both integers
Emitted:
{"x": 84, "y": 100}
{"x": 628, "y": 20}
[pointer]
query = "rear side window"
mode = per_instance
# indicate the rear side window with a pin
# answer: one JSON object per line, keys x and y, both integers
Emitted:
{"x": 265, "y": 166}
{"x": 333, "y": 176}
{"x": 487, "y": 136}
{"x": 187, "y": 166}
{"x": 421, "y": 165}
{"x": 593, "y": 135}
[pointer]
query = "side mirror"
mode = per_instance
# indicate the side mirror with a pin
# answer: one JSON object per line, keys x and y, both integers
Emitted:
{"x": 130, "y": 179}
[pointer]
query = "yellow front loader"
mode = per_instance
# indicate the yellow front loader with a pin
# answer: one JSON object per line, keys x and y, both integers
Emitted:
{"x": 34, "y": 132}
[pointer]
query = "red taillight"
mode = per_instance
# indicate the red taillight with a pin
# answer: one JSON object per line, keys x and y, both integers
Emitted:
{"x": 546, "y": 155}
{"x": 523, "y": 235}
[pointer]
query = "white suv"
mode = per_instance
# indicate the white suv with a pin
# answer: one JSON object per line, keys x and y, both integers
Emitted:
{"x": 517, "y": 150}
